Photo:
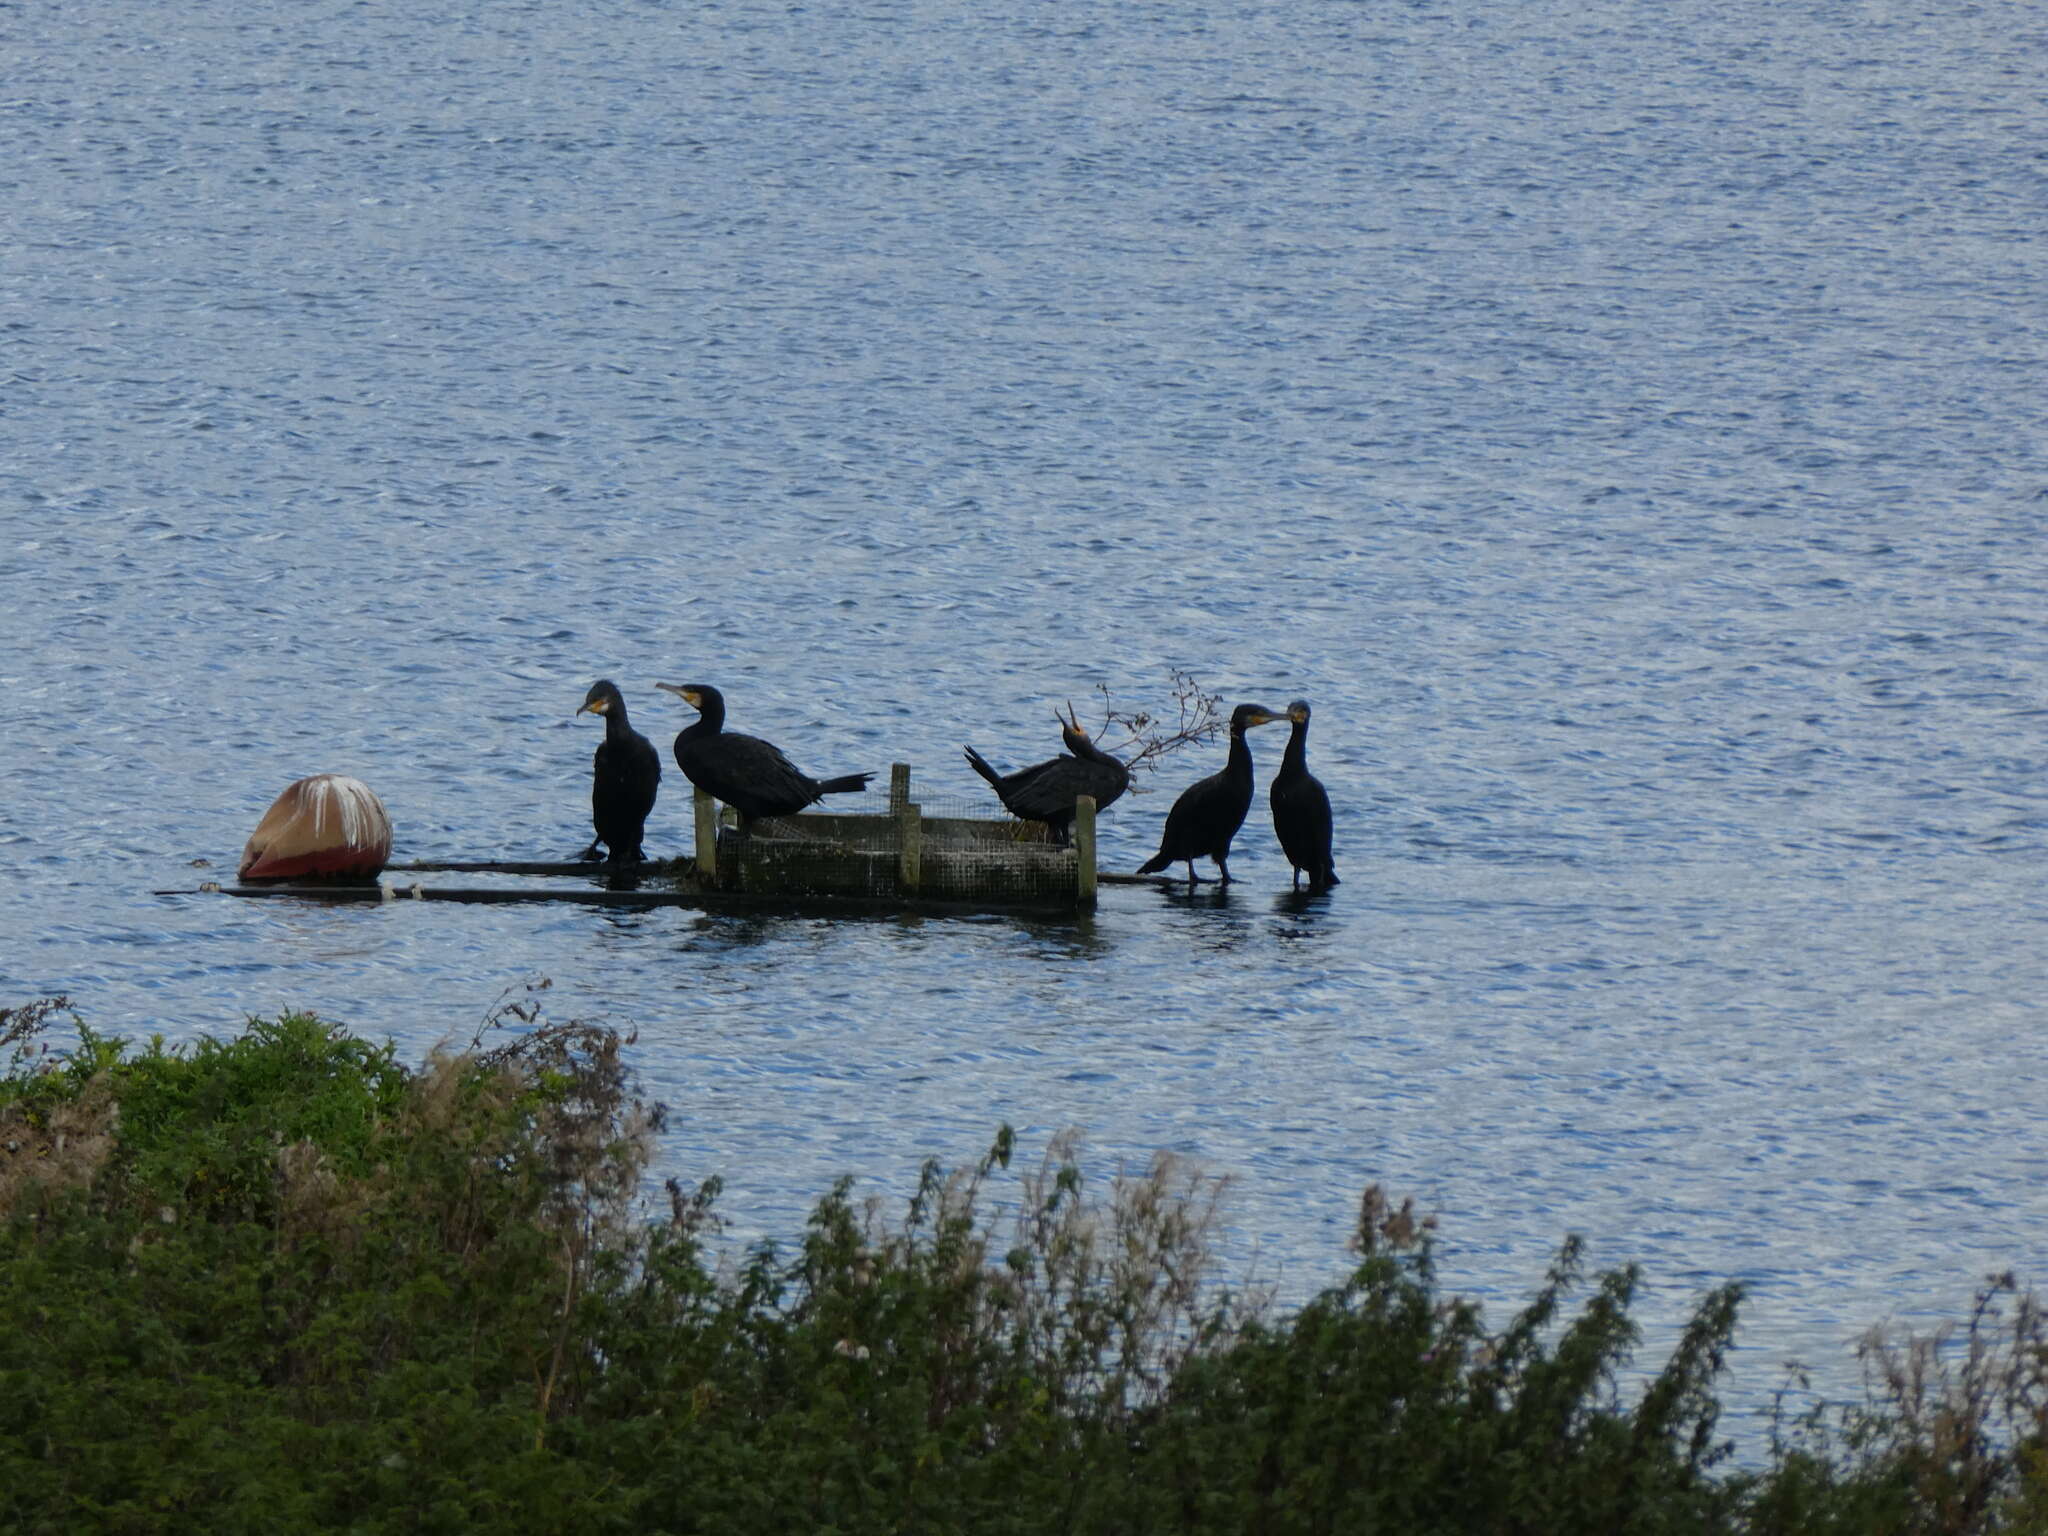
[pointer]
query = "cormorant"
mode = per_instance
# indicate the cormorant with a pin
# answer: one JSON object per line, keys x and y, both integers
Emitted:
{"x": 624, "y": 778}
{"x": 1208, "y": 813}
{"x": 748, "y": 774}
{"x": 1046, "y": 791}
{"x": 1301, "y": 808}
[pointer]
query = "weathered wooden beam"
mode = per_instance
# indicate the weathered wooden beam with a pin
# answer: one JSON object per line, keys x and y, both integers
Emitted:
{"x": 703, "y": 900}
{"x": 374, "y": 894}
{"x": 537, "y": 867}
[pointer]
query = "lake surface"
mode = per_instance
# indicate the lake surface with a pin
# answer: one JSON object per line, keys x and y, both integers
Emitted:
{"x": 1625, "y": 423}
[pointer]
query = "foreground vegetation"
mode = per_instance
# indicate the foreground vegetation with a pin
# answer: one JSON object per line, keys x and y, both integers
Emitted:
{"x": 287, "y": 1283}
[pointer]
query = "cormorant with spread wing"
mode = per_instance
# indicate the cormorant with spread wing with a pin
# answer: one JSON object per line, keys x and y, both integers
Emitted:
{"x": 1047, "y": 791}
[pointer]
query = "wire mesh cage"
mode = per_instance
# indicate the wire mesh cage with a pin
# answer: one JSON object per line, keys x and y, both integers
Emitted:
{"x": 945, "y": 849}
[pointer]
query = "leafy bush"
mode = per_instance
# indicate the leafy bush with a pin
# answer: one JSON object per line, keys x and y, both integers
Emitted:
{"x": 285, "y": 1282}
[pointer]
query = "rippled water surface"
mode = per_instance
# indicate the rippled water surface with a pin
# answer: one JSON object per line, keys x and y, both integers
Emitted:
{"x": 1623, "y": 422}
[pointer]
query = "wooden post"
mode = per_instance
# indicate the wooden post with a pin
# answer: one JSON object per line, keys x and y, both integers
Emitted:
{"x": 1084, "y": 848}
{"x": 707, "y": 837}
{"x": 909, "y": 849}
{"x": 909, "y": 831}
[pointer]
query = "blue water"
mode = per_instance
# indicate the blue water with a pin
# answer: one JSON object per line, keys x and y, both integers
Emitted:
{"x": 1623, "y": 422}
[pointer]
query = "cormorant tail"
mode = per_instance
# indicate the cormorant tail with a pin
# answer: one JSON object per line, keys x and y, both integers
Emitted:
{"x": 846, "y": 783}
{"x": 980, "y": 765}
{"x": 1156, "y": 863}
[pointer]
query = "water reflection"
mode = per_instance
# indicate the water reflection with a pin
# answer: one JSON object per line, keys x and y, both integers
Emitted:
{"x": 734, "y": 930}
{"x": 1306, "y": 915}
{"x": 1066, "y": 936}
{"x": 631, "y": 920}
{"x": 1213, "y": 916}
{"x": 1053, "y": 935}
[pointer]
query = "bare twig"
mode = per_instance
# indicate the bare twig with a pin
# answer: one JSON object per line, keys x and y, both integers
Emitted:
{"x": 1141, "y": 738}
{"x": 20, "y": 1026}
{"x": 511, "y": 1011}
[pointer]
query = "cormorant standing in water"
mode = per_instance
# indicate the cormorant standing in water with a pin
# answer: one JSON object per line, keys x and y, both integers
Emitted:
{"x": 1046, "y": 791}
{"x": 625, "y": 776}
{"x": 1208, "y": 813}
{"x": 1301, "y": 809}
{"x": 748, "y": 774}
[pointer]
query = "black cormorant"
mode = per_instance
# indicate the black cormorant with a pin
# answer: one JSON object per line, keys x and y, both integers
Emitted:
{"x": 1301, "y": 808}
{"x": 748, "y": 774}
{"x": 1046, "y": 791}
{"x": 624, "y": 778}
{"x": 1208, "y": 813}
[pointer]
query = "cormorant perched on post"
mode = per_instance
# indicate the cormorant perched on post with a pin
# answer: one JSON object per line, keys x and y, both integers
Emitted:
{"x": 625, "y": 775}
{"x": 1208, "y": 813}
{"x": 1046, "y": 791}
{"x": 1301, "y": 809}
{"x": 748, "y": 774}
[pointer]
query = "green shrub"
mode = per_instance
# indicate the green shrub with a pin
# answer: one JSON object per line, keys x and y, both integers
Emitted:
{"x": 285, "y": 1282}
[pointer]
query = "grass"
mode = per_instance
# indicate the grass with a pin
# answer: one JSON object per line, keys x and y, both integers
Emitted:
{"x": 284, "y": 1281}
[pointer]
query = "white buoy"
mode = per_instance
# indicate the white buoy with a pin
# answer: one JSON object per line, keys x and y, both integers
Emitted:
{"x": 329, "y": 825}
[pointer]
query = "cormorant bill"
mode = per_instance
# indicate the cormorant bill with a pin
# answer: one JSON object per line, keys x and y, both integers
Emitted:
{"x": 1301, "y": 809}
{"x": 748, "y": 774}
{"x": 625, "y": 776}
{"x": 1208, "y": 813}
{"x": 1046, "y": 791}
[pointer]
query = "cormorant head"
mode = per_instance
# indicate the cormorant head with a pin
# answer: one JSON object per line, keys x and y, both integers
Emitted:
{"x": 1071, "y": 729}
{"x": 603, "y": 698}
{"x": 1298, "y": 711}
{"x": 1245, "y": 716}
{"x": 701, "y": 697}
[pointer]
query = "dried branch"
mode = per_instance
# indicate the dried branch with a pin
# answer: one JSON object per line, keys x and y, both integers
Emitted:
{"x": 20, "y": 1026}
{"x": 1141, "y": 738}
{"x": 512, "y": 1012}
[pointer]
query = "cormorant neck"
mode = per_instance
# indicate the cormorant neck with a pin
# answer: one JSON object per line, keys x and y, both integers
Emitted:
{"x": 1240, "y": 764}
{"x": 1296, "y": 759}
{"x": 616, "y": 726}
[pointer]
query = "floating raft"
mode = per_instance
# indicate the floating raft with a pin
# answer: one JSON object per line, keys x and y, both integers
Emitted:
{"x": 827, "y": 861}
{"x": 903, "y": 855}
